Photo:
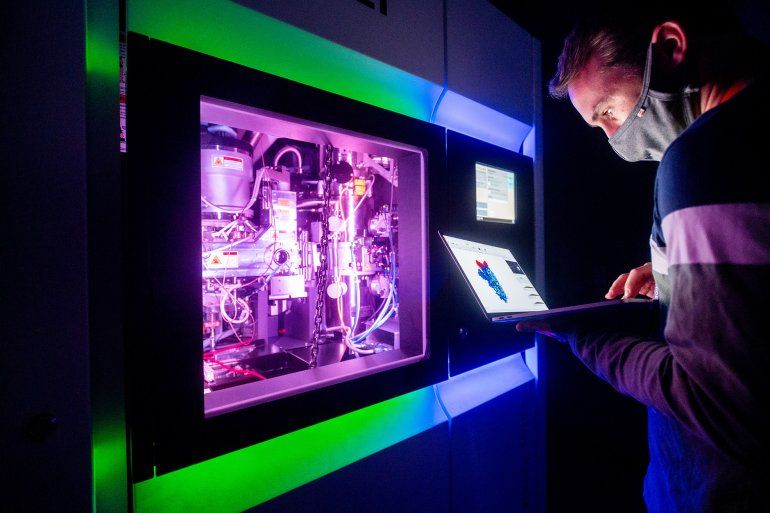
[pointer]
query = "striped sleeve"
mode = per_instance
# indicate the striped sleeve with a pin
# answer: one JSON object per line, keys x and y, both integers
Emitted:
{"x": 712, "y": 371}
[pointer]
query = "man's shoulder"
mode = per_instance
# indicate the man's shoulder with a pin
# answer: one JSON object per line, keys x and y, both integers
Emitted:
{"x": 688, "y": 166}
{"x": 719, "y": 158}
{"x": 724, "y": 132}
{"x": 697, "y": 145}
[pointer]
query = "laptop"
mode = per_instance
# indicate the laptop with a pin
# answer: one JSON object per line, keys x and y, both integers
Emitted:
{"x": 502, "y": 289}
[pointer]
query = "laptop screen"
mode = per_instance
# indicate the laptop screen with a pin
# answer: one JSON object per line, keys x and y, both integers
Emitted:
{"x": 495, "y": 277}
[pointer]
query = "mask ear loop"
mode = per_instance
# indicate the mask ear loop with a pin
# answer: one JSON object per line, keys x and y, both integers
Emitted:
{"x": 639, "y": 106}
{"x": 647, "y": 73}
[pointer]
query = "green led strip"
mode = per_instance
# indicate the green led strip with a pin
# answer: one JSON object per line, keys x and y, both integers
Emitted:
{"x": 108, "y": 439}
{"x": 110, "y": 476}
{"x": 241, "y": 35}
{"x": 251, "y": 476}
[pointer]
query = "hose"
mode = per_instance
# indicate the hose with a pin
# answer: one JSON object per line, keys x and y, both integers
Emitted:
{"x": 284, "y": 151}
{"x": 245, "y": 310}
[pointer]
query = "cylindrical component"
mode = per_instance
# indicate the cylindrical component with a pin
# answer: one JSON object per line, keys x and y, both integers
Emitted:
{"x": 354, "y": 209}
{"x": 226, "y": 171}
{"x": 342, "y": 259}
{"x": 352, "y": 300}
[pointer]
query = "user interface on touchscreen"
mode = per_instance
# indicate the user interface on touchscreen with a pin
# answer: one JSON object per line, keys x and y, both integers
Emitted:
{"x": 495, "y": 194}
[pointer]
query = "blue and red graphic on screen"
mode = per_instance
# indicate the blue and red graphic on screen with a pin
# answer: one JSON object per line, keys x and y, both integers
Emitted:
{"x": 486, "y": 273}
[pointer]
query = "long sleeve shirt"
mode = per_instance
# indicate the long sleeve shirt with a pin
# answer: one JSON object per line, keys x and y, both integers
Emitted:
{"x": 706, "y": 380}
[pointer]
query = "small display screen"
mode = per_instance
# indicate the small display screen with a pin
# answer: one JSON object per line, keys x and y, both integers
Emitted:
{"x": 495, "y": 194}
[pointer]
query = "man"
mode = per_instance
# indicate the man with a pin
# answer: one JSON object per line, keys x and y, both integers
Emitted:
{"x": 690, "y": 94}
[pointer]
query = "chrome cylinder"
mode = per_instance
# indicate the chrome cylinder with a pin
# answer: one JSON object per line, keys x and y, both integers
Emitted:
{"x": 226, "y": 172}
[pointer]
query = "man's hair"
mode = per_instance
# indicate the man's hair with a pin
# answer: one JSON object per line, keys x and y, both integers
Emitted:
{"x": 616, "y": 45}
{"x": 623, "y": 44}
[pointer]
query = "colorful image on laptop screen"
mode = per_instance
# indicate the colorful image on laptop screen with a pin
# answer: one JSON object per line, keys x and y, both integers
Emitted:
{"x": 496, "y": 277}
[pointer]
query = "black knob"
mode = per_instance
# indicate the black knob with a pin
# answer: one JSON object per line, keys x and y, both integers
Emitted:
{"x": 41, "y": 426}
{"x": 342, "y": 172}
{"x": 281, "y": 256}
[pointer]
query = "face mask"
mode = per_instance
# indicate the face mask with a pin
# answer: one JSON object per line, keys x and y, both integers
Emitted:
{"x": 654, "y": 122}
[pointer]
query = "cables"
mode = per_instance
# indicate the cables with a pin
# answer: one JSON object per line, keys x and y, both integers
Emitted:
{"x": 348, "y": 332}
{"x": 234, "y": 333}
{"x": 385, "y": 312}
{"x": 390, "y": 305}
{"x": 236, "y": 370}
{"x": 237, "y": 301}
{"x": 284, "y": 151}
{"x": 255, "y": 189}
{"x": 351, "y": 339}
{"x": 354, "y": 281}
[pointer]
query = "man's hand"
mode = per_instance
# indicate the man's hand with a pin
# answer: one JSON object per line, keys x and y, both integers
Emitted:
{"x": 631, "y": 284}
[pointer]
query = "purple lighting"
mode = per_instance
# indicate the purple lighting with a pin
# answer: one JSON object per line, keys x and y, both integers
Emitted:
{"x": 461, "y": 114}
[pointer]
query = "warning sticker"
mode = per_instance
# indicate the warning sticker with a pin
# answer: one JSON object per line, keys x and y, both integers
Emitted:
{"x": 223, "y": 260}
{"x": 359, "y": 187}
{"x": 227, "y": 162}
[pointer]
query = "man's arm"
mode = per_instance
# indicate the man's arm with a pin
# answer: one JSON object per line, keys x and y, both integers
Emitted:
{"x": 648, "y": 371}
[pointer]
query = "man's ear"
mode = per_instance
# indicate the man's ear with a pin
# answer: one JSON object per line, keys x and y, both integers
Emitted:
{"x": 670, "y": 40}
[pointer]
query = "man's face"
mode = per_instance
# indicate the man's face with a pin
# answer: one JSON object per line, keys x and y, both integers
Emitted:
{"x": 604, "y": 97}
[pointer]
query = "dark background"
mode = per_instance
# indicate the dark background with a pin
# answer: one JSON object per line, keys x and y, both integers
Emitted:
{"x": 598, "y": 215}
{"x": 597, "y": 224}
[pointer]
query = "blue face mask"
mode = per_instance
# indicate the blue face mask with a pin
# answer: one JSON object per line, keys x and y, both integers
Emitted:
{"x": 655, "y": 121}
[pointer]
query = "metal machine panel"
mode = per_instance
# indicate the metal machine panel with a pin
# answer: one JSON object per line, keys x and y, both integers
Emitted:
{"x": 388, "y": 30}
{"x": 489, "y": 58}
{"x": 222, "y": 340}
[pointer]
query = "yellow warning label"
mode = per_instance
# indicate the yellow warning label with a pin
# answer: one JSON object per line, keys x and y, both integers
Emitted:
{"x": 359, "y": 187}
{"x": 223, "y": 260}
